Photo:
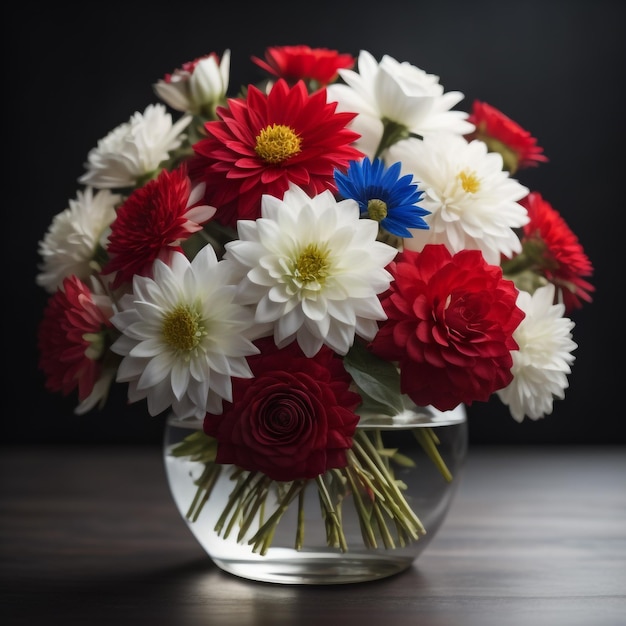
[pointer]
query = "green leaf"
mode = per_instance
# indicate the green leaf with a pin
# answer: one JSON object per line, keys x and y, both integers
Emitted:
{"x": 378, "y": 380}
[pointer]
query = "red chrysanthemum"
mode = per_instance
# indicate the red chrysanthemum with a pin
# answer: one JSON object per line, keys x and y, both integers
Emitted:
{"x": 264, "y": 142}
{"x": 295, "y": 63}
{"x": 450, "y": 326}
{"x": 70, "y": 338}
{"x": 294, "y": 420}
{"x": 517, "y": 146}
{"x": 556, "y": 252}
{"x": 152, "y": 223}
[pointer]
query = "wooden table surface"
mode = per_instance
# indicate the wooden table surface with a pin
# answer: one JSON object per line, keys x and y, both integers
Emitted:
{"x": 90, "y": 535}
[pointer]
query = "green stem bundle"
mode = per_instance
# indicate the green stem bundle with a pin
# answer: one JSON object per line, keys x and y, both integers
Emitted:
{"x": 368, "y": 481}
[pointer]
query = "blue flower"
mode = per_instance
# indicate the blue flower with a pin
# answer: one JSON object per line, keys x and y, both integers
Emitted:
{"x": 383, "y": 195}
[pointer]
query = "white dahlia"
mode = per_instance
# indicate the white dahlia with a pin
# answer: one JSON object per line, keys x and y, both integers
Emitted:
{"x": 74, "y": 238}
{"x": 313, "y": 270}
{"x": 183, "y": 337}
{"x": 133, "y": 151}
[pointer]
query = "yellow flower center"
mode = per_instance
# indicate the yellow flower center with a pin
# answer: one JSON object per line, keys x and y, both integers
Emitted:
{"x": 469, "y": 181}
{"x": 182, "y": 329}
{"x": 277, "y": 143}
{"x": 311, "y": 265}
{"x": 95, "y": 345}
{"x": 377, "y": 209}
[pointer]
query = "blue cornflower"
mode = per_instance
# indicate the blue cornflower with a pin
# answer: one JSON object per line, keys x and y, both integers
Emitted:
{"x": 383, "y": 195}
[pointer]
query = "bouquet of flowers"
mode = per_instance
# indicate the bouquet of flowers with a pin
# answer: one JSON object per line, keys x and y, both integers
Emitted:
{"x": 332, "y": 241}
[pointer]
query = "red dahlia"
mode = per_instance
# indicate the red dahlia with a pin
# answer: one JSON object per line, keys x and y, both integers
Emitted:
{"x": 294, "y": 420}
{"x": 450, "y": 326}
{"x": 152, "y": 223}
{"x": 263, "y": 142}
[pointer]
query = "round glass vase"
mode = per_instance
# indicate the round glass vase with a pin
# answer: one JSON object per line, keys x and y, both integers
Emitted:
{"x": 364, "y": 522}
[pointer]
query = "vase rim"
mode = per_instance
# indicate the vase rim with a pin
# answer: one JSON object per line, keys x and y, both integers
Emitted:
{"x": 412, "y": 417}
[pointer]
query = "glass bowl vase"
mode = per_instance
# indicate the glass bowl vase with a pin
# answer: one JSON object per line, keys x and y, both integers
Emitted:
{"x": 364, "y": 522}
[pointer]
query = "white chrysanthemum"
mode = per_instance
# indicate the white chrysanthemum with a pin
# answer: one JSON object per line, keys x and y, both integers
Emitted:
{"x": 541, "y": 364}
{"x": 135, "y": 149}
{"x": 197, "y": 90}
{"x": 400, "y": 93}
{"x": 473, "y": 202}
{"x": 74, "y": 236}
{"x": 183, "y": 336}
{"x": 312, "y": 269}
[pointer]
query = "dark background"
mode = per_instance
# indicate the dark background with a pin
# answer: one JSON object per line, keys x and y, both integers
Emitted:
{"x": 556, "y": 67}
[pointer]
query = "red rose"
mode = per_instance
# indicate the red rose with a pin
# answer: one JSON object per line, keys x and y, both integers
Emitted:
{"x": 294, "y": 420}
{"x": 450, "y": 326}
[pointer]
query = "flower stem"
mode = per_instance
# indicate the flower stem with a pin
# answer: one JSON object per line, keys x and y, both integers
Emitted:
{"x": 331, "y": 515}
{"x": 258, "y": 495}
{"x": 392, "y": 496}
{"x": 235, "y": 497}
{"x": 367, "y": 532}
{"x": 429, "y": 441}
{"x": 262, "y": 538}
{"x": 205, "y": 483}
{"x": 300, "y": 528}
